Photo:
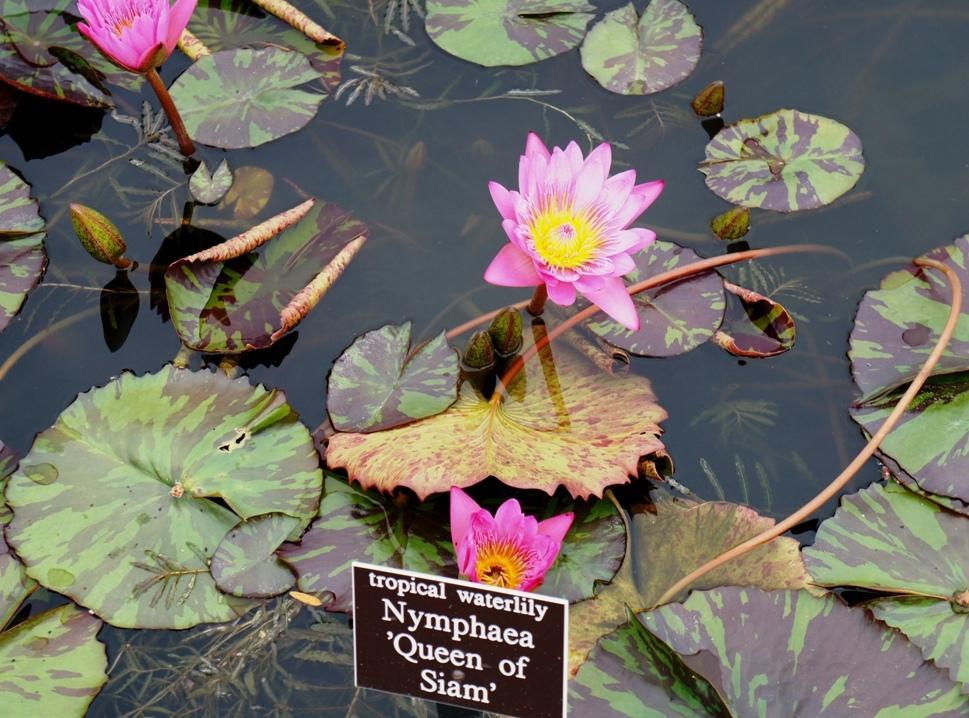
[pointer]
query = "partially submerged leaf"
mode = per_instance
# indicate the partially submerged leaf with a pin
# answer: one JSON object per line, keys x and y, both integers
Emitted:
{"x": 761, "y": 328}
{"x": 249, "y": 193}
{"x": 209, "y": 188}
{"x": 22, "y": 255}
{"x": 709, "y": 101}
{"x": 245, "y": 563}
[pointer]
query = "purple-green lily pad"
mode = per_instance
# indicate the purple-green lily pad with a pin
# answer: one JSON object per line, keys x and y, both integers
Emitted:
{"x": 634, "y": 55}
{"x": 245, "y": 564}
{"x": 22, "y": 255}
{"x": 784, "y": 161}
{"x": 15, "y": 584}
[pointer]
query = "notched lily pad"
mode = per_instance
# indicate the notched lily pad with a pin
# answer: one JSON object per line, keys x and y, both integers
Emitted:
{"x": 245, "y": 563}
{"x": 22, "y": 255}
{"x": 209, "y": 187}
{"x": 760, "y": 328}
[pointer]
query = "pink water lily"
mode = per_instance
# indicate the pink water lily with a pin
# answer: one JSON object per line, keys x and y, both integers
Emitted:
{"x": 508, "y": 549}
{"x": 568, "y": 227}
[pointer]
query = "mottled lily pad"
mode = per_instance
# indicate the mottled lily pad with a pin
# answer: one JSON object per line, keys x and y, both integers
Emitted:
{"x": 52, "y": 664}
{"x": 245, "y": 98}
{"x": 247, "y": 292}
{"x": 380, "y": 381}
{"x": 674, "y": 318}
{"x": 635, "y": 55}
{"x": 785, "y": 161}
{"x": 766, "y": 652}
{"x": 563, "y": 422}
{"x": 209, "y": 187}
{"x": 22, "y": 255}
{"x": 15, "y": 585}
{"x": 887, "y": 539}
{"x": 760, "y": 327}
{"x": 507, "y": 32}
{"x": 246, "y": 565}
{"x": 122, "y": 503}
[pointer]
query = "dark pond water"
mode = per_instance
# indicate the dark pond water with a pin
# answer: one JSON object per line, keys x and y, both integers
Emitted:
{"x": 769, "y": 433}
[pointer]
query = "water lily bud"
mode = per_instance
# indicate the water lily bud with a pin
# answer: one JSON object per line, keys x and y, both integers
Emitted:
{"x": 99, "y": 236}
{"x": 480, "y": 352}
{"x": 506, "y": 332}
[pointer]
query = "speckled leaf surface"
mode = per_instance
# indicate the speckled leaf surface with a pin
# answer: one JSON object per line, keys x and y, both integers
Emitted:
{"x": 22, "y": 255}
{"x": 245, "y": 563}
{"x": 634, "y": 55}
{"x": 242, "y": 295}
{"x": 888, "y": 539}
{"x": 52, "y": 664}
{"x": 674, "y": 318}
{"x": 768, "y": 651}
{"x": 209, "y": 187}
{"x": 785, "y": 161}
{"x": 15, "y": 585}
{"x": 573, "y": 426}
{"x": 507, "y": 32}
{"x": 116, "y": 504}
{"x": 670, "y": 542}
{"x": 245, "y": 98}
{"x": 380, "y": 381}
{"x": 756, "y": 327}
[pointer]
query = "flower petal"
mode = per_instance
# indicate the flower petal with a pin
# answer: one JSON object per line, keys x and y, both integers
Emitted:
{"x": 509, "y": 518}
{"x": 556, "y": 527}
{"x": 463, "y": 507}
{"x": 503, "y": 200}
{"x": 534, "y": 147}
{"x": 628, "y": 241}
{"x": 562, "y": 293}
{"x": 178, "y": 18}
{"x": 641, "y": 197}
{"x": 614, "y": 300}
{"x": 511, "y": 267}
{"x": 593, "y": 174}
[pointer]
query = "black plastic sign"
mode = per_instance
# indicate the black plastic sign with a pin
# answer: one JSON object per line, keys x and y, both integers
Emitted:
{"x": 458, "y": 642}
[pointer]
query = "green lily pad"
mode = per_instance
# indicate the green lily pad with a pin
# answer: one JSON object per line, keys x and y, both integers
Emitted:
{"x": 761, "y": 327}
{"x": 15, "y": 584}
{"x": 380, "y": 382}
{"x": 209, "y": 187}
{"x": 888, "y": 539}
{"x": 52, "y": 664}
{"x": 635, "y": 55}
{"x": 245, "y": 98}
{"x": 766, "y": 652}
{"x": 22, "y": 255}
{"x": 245, "y": 563}
{"x": 247, "y": 292}
{"x": 123, "y": 502}
{"x": 785, "y": 161}
{"x": 674, "y": 318}
{"x": 507, "y": 32}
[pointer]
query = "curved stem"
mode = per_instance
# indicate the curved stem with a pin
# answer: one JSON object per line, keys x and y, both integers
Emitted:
{"x": 185, "y": 144}
{"x": 866, "y": 453}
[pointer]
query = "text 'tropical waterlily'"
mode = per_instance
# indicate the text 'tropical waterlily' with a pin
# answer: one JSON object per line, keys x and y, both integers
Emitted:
{"x": 509, "y": 549}
{"x": 568, "y": 226}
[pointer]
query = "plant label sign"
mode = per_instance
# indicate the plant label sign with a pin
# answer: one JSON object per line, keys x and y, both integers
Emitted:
{"x": 458, "y": 642}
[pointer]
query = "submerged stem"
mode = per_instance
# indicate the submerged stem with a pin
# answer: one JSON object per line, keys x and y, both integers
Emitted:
{"x": 174, "y": 119}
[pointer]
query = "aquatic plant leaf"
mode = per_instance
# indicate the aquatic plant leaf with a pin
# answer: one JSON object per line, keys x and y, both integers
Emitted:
{"x": 52, "y": 664}
{"x": 245, "y": 563}
{"x": 634, "y": 55}
{"x": 247, "y": 292}
{"x": 674, "y": 318}
{"x": 785, "y": 161}
{"x": 507, "y": 32}
{"x": 765, "y": 652}
{"x": 209, "y": 187}
{"x": 562, "y": 422}
{"x": 245, "y": 98}
{"x": 761, "y": 328}
{"x": 887, "y": 539}
{"x": 22, "y": 255}
{"x": 709, "y": 101}
{"x": 249, "y": 193}
{"x": 732, "y": 224}
{"x": 122, "y": 503}
{"x": 380, "y": 381}
{"x": 15, "y": 585}
{"x": 670, "y": 541}
{"x": 632, "y": 673}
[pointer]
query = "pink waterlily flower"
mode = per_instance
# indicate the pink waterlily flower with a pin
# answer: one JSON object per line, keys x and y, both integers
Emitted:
{"x": 508, "y": 549}
{"x": 137, "y": 35}
{"x": 568, "y": 226}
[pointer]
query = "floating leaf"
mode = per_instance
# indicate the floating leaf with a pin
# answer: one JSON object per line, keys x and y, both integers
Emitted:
{"x": 887, "y": 539}
{"x": 209, "y": 188}
{"x": 762, "y": 327}
{"x": 732, "y": 224}
{"x": 709, "y": 101}
{"x": 768, "y": 652}
{"x": 245, "y": 98}
{"x": 567, "y": 425}
{"x": 635, "y": 55}
{"x": 15, "y": 585}
{"x": 247, "y": 292}
{"x": 673, "y": 318}
{"x": 22, "y": 255}
{"x": 122, "y": 503}
{"x": 507, "y": 32}
{"x": 52, "y": 664}
{"x": 785, "y": 161}
{"x": 380, "y": 382}
{"x": 249, "y": 192}
{"x": 245, "y": 563}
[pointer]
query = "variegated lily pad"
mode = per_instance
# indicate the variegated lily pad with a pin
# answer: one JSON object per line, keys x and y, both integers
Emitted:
{"x": 15, "y": 585}
{"x": 674, "y": 318}
{"x": 887, "y": 539}
{"x": 246, "y": 565}
{"x": 22, "y": 255}
{"x": 245, "y": 98}
{"x": 247, "y": 292}
{"x": 785, "y": 161}
{"x": 507, "y": 32}
{"x": 209, "y": 187}
{"x": 380, "y": 382}
{"x": 761, "y": 327}
{"x": 635, "y": 55}
{"x": 563, "y": 422}
{"x": 123, "y": 502}
{"x": 766, "y": 652}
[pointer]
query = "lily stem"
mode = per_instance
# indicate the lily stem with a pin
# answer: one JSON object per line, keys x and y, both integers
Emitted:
{"x": 185, "y": 144}
{"x": 537, "y": 305}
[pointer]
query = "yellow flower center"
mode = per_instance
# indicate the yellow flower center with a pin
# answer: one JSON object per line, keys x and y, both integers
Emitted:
{"x": 563, "y": 237}
{"x": 501, "y": 563}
